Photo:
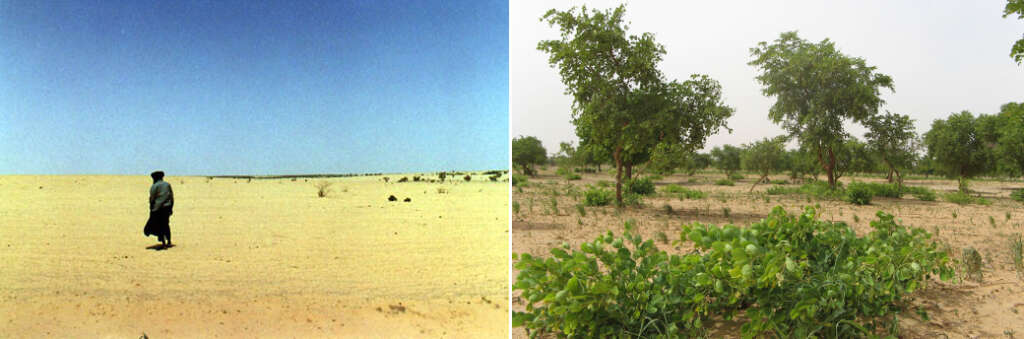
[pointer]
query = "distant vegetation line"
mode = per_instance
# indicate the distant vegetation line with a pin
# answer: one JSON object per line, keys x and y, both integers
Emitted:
{"x": 344, "y": 175}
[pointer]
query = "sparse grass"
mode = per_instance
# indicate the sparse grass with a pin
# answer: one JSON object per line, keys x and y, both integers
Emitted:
{"x": 856, "y": 218}
{"x": 992, "y": 221}
{"x": 581, "y": 210}
{"x": 724, "y": 182}
{"x": 779, "y": 182}
{"x": 961, "y": 198}
{"x": 442, "y": 190}
{"x": 955, "y": 214}
{"x": 1017, "y": 195}
{"x": 604, "y": 183}
{"x": 726, "y": 212}
{"x": 515, "y": 207}
{"x": 1017, "y": 253}
{"x": 972, "y": 262}
{"x": 667, "y": 208}
{"x": 661, "y": 237}
{"x": 553, "y": 205}
{"x": 736, "y": 176}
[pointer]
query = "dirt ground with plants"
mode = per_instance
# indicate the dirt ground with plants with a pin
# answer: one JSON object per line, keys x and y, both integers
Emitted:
{"x": 992, "y": 308}
{"x": 266, "y": 258}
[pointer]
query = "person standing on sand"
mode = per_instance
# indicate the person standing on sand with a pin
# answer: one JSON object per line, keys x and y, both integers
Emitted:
{"x": 161, "y": 205}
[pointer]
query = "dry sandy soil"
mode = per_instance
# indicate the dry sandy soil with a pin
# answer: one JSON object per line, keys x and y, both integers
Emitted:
{"x": 265, "y": 258}
{"x": 993, "y": 308}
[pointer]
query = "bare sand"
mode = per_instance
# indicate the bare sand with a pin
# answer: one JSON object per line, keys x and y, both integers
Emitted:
{"x": 265, "y": 258}
{"x": 992, "y": 308}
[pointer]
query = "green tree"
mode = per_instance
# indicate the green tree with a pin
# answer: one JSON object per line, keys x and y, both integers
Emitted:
{"x": 726, "y": 158}
{"x": 696, "y": 162}
{"x": 621, "y": 102}
{"x": 1011, "y": 138}
{"x": 816, "y": 88}
{"x": 801, "y": 162}
{"x": 1016, "y": 7}
{"x": 526, "y": 152}
{"x": 955, "y": 148}
{"x": 892, "y": 138}
{"x": 765, "y": 157}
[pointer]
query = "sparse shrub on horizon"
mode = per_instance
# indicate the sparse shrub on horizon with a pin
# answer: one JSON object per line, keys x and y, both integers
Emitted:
{"x": 442, "y": 190}
{"x": 441, "y": 176}
{"x": 403, "y": 179}
{"x": 467, "y": 178}
{"x": 323, "y": 188}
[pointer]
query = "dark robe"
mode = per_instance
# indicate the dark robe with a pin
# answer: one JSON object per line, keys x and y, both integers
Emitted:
{"x": 161, "y": 206}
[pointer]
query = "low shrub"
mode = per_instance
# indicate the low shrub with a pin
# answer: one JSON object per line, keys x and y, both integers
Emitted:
{"x": 779, "y": 182}
{"x": 519, "y": 180}
{"x": 632, "y": 199}
{"x": 921, "y": 193}
{"x": 641, "y": 186}
{"x": 859, "y": 193}
{"x": 598, "y": 197}
{"x": 780, "y": 190}
{"x": 604, "y": 183}
{"x": 736, "y": 176}
{"x": 1018, "y": 195}
{"x": 724, "y": 182}
{"x": 884, "y": 190}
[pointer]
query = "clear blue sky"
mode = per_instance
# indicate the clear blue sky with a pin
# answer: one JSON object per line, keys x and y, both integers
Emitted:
{"x": 249, "y": 87}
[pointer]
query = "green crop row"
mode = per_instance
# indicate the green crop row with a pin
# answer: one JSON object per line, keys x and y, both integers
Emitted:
{"x": 791, "y": 275}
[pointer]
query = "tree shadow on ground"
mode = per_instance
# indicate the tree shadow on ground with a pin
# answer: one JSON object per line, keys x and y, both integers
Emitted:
{"x": 159, "y": 247}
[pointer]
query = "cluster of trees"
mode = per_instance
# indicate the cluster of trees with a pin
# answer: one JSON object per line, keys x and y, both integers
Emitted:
{"x": 628, "y": 114}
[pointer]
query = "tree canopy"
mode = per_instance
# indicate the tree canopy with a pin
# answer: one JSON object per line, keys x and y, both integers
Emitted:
{"x": 816, "y": 88}
{"x": 892, "y": 138}
{"x": 621, "y": 102}
{"x": 526, "y": 152}
{"x": 726, "y": 158}
{"x": 955, "y": 147}
{"x": 765, "y": 157}
{"x": 1016, "y": 7}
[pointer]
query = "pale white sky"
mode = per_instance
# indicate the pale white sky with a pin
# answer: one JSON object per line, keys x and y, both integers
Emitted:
{"x": 944, "y": 56}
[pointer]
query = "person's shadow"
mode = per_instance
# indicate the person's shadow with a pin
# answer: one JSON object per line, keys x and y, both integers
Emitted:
{"x": 159, "y": 247}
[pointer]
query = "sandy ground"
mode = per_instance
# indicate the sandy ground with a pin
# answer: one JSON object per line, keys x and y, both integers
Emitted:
{"x": 265, "y": 258}
{"x": 993, "y": 308}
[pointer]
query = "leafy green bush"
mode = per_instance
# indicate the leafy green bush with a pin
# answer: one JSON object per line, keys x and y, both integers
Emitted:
{"x": 724, "y": 182}
{"x": 736, "y": 176}
{"x": 921, "y": 193}
{"x": 519, "y": 180}
{"x": 573, "y": 176}
{"x": 794, "y": 276}
{"x": 604, "y": 183}
{"x": 635, "y": 293}
{"x": 631, "y": 199}
{"x": 884, "y": 190}
{"x": 683, "y": 192}
{"x": 859, "y": 193}
{"x": 780, "y": 190}
{"x": 641, "y": 186}
{"x": 1018, "y": 195}
{"x": 598, "y": 197}
{"x": 961, "y": 198}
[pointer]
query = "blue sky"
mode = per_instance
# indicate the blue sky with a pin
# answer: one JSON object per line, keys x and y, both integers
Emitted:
{"x": 246, "y": 87}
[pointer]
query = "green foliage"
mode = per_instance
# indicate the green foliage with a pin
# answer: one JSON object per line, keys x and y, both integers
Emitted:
{"x": 641, "y": 186}
{"x": 604, "y": 183}
{"x": 736, "y": 176}
{"x": 598, "y": 197}
{"x": 622, "y": 104}
{"x": 765, "y": 156}
{"x": 957, "y": 147}
{"x": 794, "y": 276}
{"x": 683, "y": 192}
{"x": 632, "y": 199}
{"x": 1016, "y": 7}
{"x": 780, "y": 190}
{"x": 727, "y": 158}
{"x": 1010, "y": 144}
{"x": 515, "y": 207}
{"x": 883, "y": 190}
{"x": 961, "y": 198}
{"x": 724, "y": 182}
{"x": 581, "y": 210}
{"x": 815, "y": 88}
{"x": 892, "y": 138}
{"x": 1017, "y": 195}
{"x": 526, "y": 152}
{"x": 924, "y": 194}
{"x": 859, "y": 193}
{"x": 519, "y": 180}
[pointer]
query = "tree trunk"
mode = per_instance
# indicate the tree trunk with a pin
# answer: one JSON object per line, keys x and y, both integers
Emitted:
{"x": 830, "y": 168}
{"x": 629, "y": 172}
{"x": 763, "y": 176}
{"x": 899, "y": 179}
{"x": 618, "y": 176}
